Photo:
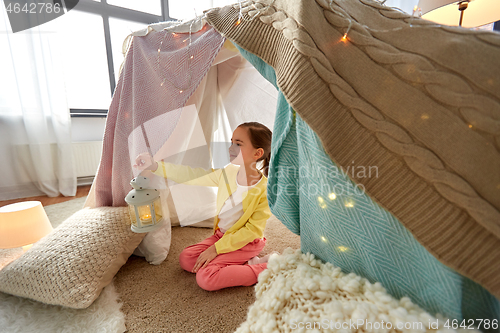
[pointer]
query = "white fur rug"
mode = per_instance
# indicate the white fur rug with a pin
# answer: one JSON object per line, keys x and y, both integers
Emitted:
{"x": 20, "y": 315}
{"x": 298, "y": 293}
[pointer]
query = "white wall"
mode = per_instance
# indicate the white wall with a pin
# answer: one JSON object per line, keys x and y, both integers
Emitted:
{"x": 405, "y": 5}
{"x": 87, "y": 129}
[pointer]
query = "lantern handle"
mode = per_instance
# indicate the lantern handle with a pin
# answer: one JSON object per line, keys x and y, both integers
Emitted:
{"x": 146, "y": 141}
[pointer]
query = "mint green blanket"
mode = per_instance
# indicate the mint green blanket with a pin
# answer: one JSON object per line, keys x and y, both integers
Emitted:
{"x": 340, "y": 224}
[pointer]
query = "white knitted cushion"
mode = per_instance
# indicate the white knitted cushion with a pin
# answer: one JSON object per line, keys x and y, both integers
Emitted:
{"x": 72, "y": 265}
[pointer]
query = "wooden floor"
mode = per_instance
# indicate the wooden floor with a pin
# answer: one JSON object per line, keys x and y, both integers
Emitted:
{"x": 45, "y": 200}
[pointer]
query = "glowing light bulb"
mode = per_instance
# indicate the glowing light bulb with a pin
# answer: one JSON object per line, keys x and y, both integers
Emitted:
{"x": 342, "y": 248}
{"x": 344, "y": 38}
{"x": 332, "y": 196}
{"x": 321, "y": 202}
{"x": 417, "y": 10}
{"x": 349, "y": 204}
{"x": 161, "y": 84}
{"x": 192, "y": 57}
{"x": 470, "y": 126}
{"x": 324, "y": 239}
{"x": 238, "y": 22}
{"x": 180, "y": 92}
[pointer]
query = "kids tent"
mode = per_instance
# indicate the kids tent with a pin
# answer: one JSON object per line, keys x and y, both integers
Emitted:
{"x": 386, "y": 136}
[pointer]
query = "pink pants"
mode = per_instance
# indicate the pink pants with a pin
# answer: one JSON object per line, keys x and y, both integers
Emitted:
{"x": 227, "y": 269}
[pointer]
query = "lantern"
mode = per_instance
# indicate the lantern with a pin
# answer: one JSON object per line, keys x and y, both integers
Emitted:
{"x": 144, "y": 206}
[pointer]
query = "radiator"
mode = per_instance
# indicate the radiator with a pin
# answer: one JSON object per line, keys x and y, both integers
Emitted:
{"x": 86, "y": 156}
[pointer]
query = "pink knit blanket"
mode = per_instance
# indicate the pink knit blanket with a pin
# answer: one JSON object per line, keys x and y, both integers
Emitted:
{"x": 161, "y": 71}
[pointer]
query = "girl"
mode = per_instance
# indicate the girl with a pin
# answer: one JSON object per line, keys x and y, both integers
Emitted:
{"x": 229, "y": 257}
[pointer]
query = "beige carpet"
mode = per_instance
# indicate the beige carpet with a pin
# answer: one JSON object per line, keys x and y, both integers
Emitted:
{"x": 166, "y": 298}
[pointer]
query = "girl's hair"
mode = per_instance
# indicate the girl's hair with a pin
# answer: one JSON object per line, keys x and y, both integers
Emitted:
{"x": 261, "y": 137}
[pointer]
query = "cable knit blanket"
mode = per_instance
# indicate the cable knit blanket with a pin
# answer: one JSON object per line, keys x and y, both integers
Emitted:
{"x": 299, "y": 292}
{"x": 419, "y": 101}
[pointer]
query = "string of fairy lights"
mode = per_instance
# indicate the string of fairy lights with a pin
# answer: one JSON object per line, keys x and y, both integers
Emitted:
{"x": 259, "y": 11}
{"x": 330, "y": 197}
{"x": 190, "y": 57}
{"x": 241, "y": 17}
{"x": 416, "y": 14}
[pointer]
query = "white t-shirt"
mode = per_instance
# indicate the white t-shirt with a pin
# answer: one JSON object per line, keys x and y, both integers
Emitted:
{"x": 232, "y": 210}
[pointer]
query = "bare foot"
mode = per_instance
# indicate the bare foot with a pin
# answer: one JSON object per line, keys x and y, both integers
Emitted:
{"x": 263, "y": 260}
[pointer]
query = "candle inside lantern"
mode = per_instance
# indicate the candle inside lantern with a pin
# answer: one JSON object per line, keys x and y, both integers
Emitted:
{"x": 144, "y": 206}
{"x": 146, "y": 213}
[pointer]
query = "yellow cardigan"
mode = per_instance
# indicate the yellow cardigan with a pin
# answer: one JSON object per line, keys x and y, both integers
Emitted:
{"x": 256, "y": 210}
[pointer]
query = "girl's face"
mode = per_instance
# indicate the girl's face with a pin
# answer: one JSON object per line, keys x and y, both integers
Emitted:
{"x": 241, "y": 151}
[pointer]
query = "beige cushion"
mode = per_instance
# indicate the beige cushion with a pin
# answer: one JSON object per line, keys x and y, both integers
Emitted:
{"x": 72, "y": 265}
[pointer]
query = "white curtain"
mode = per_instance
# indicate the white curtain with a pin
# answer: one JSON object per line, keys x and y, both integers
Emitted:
{"x": 35, "y": 125}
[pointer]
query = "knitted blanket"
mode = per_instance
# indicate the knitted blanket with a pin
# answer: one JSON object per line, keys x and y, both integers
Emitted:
{"x": 418, "y": 101}
{"x": 159, "y": 74}
{"x": 298, "y": 292}
{"x": 340, "y": 224}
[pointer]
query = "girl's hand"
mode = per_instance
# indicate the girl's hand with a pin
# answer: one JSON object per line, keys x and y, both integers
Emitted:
{"x": 205, "y": 258}
{"x": 145, "y": 161}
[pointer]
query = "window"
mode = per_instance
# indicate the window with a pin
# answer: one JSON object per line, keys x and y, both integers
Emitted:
{"x": 93, "y": 34}
{"x": 84, "y": 60}
{"x": 186, "y": 9}
{"x": 147, "y": 6}
{"x": 119, "y": 29}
